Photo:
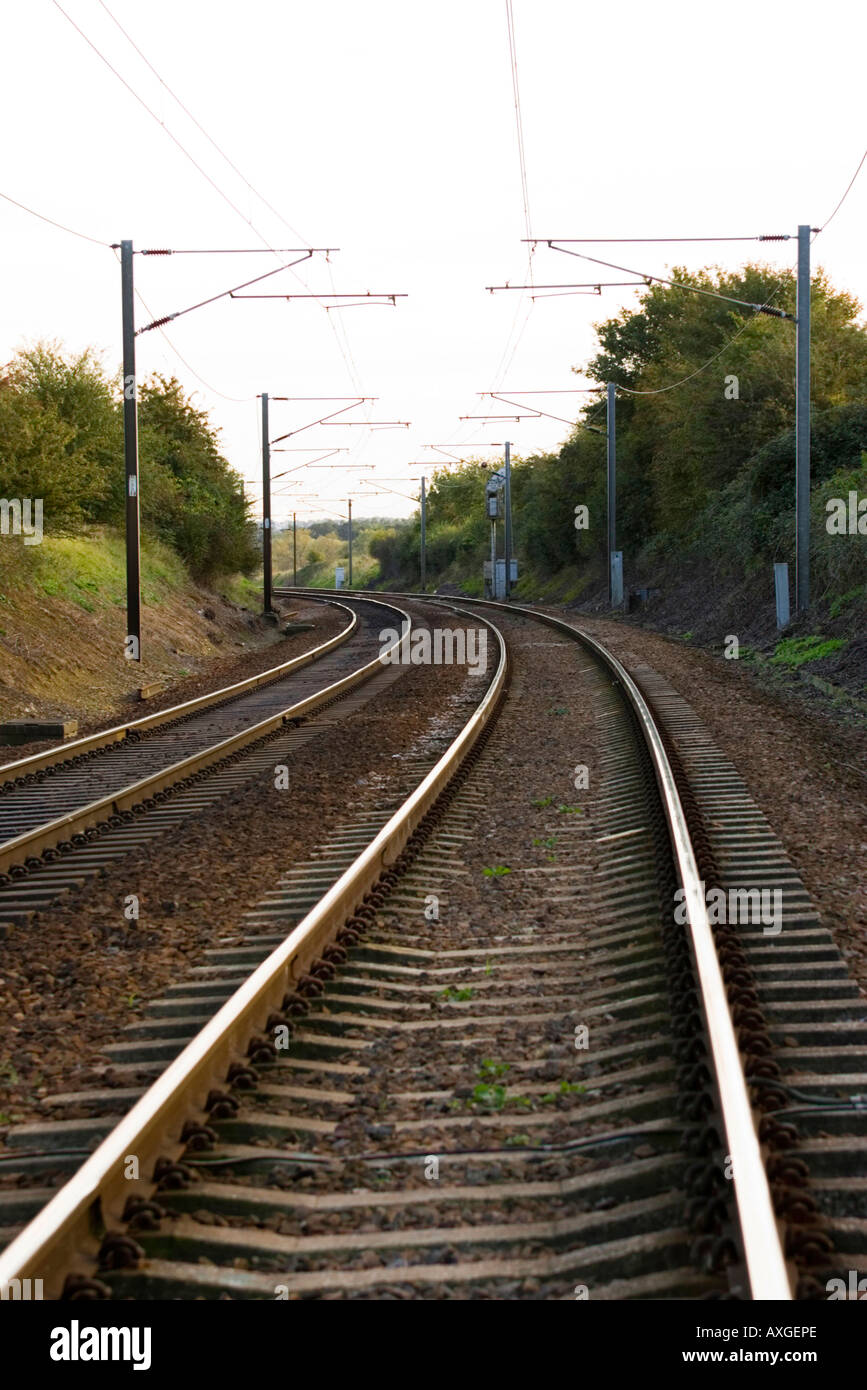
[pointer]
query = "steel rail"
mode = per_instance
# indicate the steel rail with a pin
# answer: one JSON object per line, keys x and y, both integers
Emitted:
{"x": 65, "y": 1236}
{"x": 64, "y": 753}
{"x": 15, "y": 853}
{"x": 760, "y": 1233}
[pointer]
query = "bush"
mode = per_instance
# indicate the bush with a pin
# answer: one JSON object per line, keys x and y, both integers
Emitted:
{"x": 61, "y": 426}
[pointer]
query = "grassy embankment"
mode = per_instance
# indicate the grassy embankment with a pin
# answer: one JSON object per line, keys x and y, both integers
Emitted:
{"x": 63, "y": 623}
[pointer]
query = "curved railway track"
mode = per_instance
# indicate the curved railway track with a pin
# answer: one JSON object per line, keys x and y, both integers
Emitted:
{"x": 68, "y": 812}
{"x": 382, "y": 1090}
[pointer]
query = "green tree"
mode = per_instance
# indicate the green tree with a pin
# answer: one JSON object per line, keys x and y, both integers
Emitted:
{"x": 190, "y": 496}
{"x": 59, "y": 431}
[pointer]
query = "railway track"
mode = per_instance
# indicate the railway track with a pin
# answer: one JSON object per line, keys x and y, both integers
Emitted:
{"x": 442, "y": 1060}
{"x": 65, "y": 814}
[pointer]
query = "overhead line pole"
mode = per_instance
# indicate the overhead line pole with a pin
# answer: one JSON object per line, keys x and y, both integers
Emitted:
{"x": 612, "y": 488}
{"x": 507, "y": 506}
{"x": 423, "y": 524}
{"x": 132, "y": 647}
{"x": 802, "y": 425}
{"x": 266, "y": 508}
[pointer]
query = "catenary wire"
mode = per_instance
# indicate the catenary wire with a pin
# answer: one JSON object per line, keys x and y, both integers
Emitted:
{"x": 830, "y": 219}
{"x": 191, "y": 158}
{"x": 51, "y": 222}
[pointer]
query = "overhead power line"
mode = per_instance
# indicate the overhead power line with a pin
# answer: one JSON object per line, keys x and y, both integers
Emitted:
{"x": 622, "y": 240}
{"x": 187, "y": 112}
{"x": 235, "y": 400}
{"x": 765, "y": 308}
{"x": 830, "y": 219}
{"x": 141, "y": 101}
{"x": 516, "y": 333}
{"x": 51, "y": 222}
{"x": 519, "y": 124}
{"x": 223, "y": 294}
{"x": 345, "y": 351}
{"x": 676, "y": 284}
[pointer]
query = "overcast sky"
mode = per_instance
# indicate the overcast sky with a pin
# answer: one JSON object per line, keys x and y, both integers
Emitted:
{"x": 387, "y": 129}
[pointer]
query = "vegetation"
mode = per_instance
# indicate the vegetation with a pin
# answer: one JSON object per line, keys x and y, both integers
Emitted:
{"x": 705, "y": 430}
{"x": 89, "y": 570}
{"x": 705, "y": 470}
{"x": 323, "y": 545}
{"x": 795, "y": 651}
{"x": 62, "y": 429}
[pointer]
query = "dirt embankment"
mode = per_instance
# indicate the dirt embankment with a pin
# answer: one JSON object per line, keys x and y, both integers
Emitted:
{"x": 62, "y": 640}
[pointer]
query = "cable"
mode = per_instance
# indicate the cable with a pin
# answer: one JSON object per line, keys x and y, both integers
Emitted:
{"x": 677, "y": 284}
{"x": 51, "y": 222}
{"x": 508, "y": 356}
{"x": 645, "y": 240}
{"x": 820, "y": 1102}
{"x": 571, "y": 1146}
{"x": 522, "y": 161}
{"x": 506, "y": 362}
{"x": 223, "y": 294}
{"x": 173, "y": 138}
{"x": 198, "y": 124}
{"x": 235, "y": 400}
{"x": 249, "y": 222}
{"x": 660, "y": 390}
{"x": 347, "y": 354}
{"x": 830, "y": 219}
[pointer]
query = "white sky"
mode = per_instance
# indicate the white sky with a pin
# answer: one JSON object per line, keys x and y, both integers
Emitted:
{"x": 386, "y": 128}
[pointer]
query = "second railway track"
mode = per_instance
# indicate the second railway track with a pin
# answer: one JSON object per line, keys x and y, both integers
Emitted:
{"x": 480, "y": 1053}
{"x": 66, "y": 813}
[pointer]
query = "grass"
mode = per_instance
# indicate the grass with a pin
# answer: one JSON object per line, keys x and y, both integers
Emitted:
{"x": 462, "y": 995}
{"x": 493, "y": 1095}
{"x": 566, "y": 1088}
{"x": 497, "y": 871}
{"x": 238, "y": 588}
{"x": 843, "y": 600}
{"x": 490, "y": 1068}
{"x": 490, "y": 1094}
{"x": 89, "y": 570}
{"x": 797, "y": 651}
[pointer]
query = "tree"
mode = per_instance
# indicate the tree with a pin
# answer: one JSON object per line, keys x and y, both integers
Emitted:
{"x": 59, "y": 430}
{"x": 190, "y": 495}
